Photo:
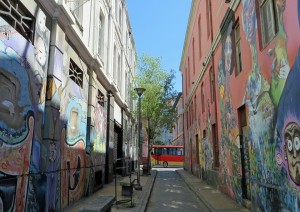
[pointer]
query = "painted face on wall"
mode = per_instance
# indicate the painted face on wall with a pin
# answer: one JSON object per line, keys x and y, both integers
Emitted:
{"x": 292, "y": 150}
{"x": 228, "y": 53}
{"x": 249, "y": 19}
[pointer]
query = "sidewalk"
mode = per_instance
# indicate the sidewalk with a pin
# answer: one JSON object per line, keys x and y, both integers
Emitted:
{"x": 210, "y": 196}
{"x": 107, "y": 193}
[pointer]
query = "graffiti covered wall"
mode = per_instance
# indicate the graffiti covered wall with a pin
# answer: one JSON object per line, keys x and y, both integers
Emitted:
{"x": 50, "y": 156}
{"x": 273, "y": 127}
{"x": 230, "y": 163}
{"x": 23, "y": 71}
{"x": 273, "y": 116}
{"x": 74, "y": 127}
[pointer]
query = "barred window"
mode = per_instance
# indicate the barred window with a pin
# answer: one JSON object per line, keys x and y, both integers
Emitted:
{"x": 100, "y": 98}
{"x": 75, "y": 73}
{"x": 16, "y": 14}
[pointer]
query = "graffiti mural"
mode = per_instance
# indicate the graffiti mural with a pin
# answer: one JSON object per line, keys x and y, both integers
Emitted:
{"x": 98, "y": 138}
{"x": 269, "y": 145}
{"x": 23, "y": 70}
{"x": 73, "y": 136}
{"x": 230, "y": 164}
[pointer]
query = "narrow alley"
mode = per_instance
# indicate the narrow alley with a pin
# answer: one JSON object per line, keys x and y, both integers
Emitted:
{"x": 170, "y": 193}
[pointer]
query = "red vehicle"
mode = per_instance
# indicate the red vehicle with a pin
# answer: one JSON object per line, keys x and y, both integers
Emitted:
{"x": 167, "y": 155}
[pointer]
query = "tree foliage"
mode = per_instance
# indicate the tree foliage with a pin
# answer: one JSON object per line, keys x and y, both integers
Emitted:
{"x": 157, "y": 100}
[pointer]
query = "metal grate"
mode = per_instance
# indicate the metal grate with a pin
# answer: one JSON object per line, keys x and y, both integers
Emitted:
{"x": 100, "y": 98}
{"x": 75, "y": 73}
{"x": 16, "y": 14}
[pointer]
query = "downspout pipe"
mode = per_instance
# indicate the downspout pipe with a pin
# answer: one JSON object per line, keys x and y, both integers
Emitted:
{"x": 213, "y": 68}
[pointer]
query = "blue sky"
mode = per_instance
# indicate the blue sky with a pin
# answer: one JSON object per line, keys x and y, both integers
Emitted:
{"x": 159, "y": 28}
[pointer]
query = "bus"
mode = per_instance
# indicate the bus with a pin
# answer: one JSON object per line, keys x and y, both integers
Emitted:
{"x": 167, "y": 155}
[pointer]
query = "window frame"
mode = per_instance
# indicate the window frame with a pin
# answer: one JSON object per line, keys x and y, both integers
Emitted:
{"x": 237, "y": 47}
{"x": 100, "y": 98}
{"x": 212, "y": 84}
{"x": 75, "y": 73}
{"x": 274, "y": 22}
{"x": 194, "y": 59}
{"x": 202, "y": 98}
{"x": 199, "y": 35}
{"x": 208, "y": 17}
{"x": 100, "y": 34}
{"x": 24, "y": 24}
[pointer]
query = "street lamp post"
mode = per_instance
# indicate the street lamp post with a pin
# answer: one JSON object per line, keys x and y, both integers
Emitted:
{"x": 139, "y": 91}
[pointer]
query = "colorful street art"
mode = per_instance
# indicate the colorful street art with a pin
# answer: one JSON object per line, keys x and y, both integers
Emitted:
{"x": 44, "y": 163}
{"x": 98, "y": 139}
{"x": 207, "y": 149}
{"x": 258, "y": 115}
{"x": 230, "y": 163}
{"x": 23, "y": 70}
{"x": 73, "y": 137}
{"x": 272, "y": 143}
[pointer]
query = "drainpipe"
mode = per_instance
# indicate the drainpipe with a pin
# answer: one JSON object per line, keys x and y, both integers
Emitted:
{"x": 213, "y": 66}
{"x": 107, "y": 139}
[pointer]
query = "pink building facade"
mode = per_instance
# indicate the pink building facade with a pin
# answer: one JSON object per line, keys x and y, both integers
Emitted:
{"x": 240, "y": 67}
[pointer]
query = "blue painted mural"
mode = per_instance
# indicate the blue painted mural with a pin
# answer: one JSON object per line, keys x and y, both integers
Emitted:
{"x": 44, "y": 161}
{"x": 23, "y": 70}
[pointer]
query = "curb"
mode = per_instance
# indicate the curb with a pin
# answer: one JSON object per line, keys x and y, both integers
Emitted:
{"x": 210, "y": 196}
{"x": 146, "y": 192}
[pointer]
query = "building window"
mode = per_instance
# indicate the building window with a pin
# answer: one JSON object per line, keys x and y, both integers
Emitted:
{"x": 120, "y": 17}
{"x": 16, "y": 14}
{"x": 189, "y": 70}
{"x": 75, "y": 73}
{"x": 194, "y": 59}
{"x": 199, "y": 32}
{"x": 186, "y": 81}
{"x": 192, "y": 112}
{"x": 208, "y": 17}
{"x": 238, "y": 53}
{"x": 115, "y": 63}
{"x": 100, "y": 34}
{"x": 120, "y": 74}
{"x": 267, "y": 20}
{"x": 191, "y": 115}
{"x": 195, "y": 109}
{"x": 187, "y": 120}
{"x": 202, "y": 98}
{"x": 76, "y": 7}
{"x": 212, "y": 85}
{"x": 100, "y": 98}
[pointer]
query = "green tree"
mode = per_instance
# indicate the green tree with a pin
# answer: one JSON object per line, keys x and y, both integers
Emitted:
{"x": 157, "y": 100}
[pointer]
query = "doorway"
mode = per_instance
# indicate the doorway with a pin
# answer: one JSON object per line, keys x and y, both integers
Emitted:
{"x": 244, "y": 148}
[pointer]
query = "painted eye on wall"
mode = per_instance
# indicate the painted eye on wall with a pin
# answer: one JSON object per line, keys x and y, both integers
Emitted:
{"x": 290, "y": 145}
{"x": 297, "y": 143}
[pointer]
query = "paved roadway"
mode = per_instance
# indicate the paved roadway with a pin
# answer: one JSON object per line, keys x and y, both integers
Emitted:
{"x": 170, "y": 193}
